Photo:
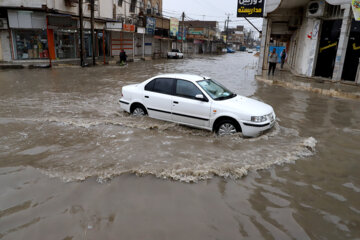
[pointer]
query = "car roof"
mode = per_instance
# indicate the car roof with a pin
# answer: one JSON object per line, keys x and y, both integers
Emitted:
{"x": 189, "y": 77}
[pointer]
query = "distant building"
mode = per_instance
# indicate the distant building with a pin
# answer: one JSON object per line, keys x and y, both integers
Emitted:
{"x": 321, "y": 37}
{"x": 235, "y": 37}
{"x": 201, "y": 36}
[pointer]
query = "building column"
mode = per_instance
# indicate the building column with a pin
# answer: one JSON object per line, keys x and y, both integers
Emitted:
{"x": 357, "y": 79}
{"x": 343, "y": 42}
{"x": 265, "y": 40}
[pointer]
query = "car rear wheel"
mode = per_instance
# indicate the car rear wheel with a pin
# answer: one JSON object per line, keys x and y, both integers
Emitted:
{"x": 139, "y": 111}
{"x": 227, "y": 127}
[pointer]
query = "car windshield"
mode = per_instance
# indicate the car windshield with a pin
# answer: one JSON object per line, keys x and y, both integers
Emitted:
{"x": 215, "y": 90}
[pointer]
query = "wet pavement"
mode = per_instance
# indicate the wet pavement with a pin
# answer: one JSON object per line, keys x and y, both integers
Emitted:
{"x": 73, "y": 166}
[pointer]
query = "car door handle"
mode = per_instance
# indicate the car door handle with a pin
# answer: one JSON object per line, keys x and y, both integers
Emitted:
{"x": 146, "y": 96}
{"x": 176, "y": 102}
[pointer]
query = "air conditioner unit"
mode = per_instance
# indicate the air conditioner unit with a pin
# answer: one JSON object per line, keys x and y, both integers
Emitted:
{"x": 315, "y": 9}
{"x": 3, "y": 23}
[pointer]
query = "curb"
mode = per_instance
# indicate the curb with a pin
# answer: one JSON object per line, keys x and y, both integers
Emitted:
{"x": 308, "y": 87}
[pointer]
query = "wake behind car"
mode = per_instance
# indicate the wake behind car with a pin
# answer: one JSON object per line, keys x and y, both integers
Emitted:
{"x": 175, "y": 53}
{"x": 199, "y": 102}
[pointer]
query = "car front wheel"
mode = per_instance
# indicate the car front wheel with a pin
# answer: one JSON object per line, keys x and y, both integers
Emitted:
{"x": 227, "y": 127}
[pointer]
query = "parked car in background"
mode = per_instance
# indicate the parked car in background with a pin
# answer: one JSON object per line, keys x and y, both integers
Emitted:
{"x": 230, "y": 50}
{"x": 197, "y": 101}
{"x": 175, "y": 53}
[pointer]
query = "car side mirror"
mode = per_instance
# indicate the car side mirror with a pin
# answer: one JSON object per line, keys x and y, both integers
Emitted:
{"x": 200, "y": 97}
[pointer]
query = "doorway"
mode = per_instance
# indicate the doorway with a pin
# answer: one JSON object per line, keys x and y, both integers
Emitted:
{"x": 352, "y": 53}
{"x": 329, "y": 40}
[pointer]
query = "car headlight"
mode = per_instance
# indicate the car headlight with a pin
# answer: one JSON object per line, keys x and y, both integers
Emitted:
{"x": 259, "y": 119}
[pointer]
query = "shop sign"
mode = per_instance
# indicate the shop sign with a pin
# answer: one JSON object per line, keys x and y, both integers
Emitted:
{"x": 250, "y": 8}
{"x": 196, "y": 31}
{"x": 150, "y": 25}
{"x": 113, "y": 25}
{"x": 174, "y": 27}
{"x": 62, "y": 22}
{"x": 129, "y": 28}
{"x": 356, "y": 9}
{"x": 141, "y": 30}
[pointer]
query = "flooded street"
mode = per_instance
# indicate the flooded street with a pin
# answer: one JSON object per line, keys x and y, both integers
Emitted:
{"x": 74, "y": 166}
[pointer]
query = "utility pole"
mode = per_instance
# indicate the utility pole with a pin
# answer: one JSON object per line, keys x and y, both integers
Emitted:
{"x": 183, "y": 32}
{"x": 227, "y": 28}
{"x": 82, "y": 63}
{"x": 92, "y": 2}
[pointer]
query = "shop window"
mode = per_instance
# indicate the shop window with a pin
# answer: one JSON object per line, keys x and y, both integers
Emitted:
{"x": 65, "y": 44}
{"x": 31, "y": 44}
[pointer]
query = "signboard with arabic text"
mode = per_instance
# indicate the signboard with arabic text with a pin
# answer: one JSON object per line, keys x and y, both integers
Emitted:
{"x": 250, "y": 8}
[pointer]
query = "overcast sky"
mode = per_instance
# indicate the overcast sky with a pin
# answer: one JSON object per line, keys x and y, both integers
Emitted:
{"x": 208, "y": 10}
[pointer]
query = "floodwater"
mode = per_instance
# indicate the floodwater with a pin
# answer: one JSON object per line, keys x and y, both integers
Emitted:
{"x": 73, "y": 166}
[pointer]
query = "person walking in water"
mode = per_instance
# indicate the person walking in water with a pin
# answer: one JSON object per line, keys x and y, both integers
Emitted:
{"x": 283, "y": 58}
{"x": 272, "y": 61}
{"x": 123, "y": 57}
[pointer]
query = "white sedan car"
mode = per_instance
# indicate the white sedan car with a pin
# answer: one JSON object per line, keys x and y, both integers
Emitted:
{"x": 199, "y": 102}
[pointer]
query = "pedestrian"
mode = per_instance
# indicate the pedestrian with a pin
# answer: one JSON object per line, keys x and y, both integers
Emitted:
{"x": 272, "y": 61}
{"x": 123, "y": 57}
{"x": 283, "y": 57}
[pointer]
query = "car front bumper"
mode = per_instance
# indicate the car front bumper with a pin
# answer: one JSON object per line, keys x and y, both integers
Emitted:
{"x": 250, "y": 129}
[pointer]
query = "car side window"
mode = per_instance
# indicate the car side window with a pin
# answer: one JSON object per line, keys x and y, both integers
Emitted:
{"x": 150, "y": 85}
{"x": 187, "y": 89}
{"x": 164, "y": 85}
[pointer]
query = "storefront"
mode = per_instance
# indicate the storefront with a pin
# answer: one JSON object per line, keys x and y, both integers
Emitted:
{"x": 101, "y": 39}
{"x": 28, "y": 35}
{"x": 30, "y": 44}
{"x": 65, "y": 43}
{"x": 65, "y": 36}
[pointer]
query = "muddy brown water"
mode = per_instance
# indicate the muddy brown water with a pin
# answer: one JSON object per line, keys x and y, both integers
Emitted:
{"x": 73, "y": 166}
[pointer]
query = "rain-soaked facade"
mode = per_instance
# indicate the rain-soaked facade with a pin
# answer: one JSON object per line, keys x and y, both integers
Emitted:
{"x": 39, "y": 30}
{"x": 321, "y": 38}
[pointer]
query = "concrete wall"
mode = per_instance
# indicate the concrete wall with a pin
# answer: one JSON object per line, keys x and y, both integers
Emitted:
{"x": 24, "y": 3}
{"x": 5, "y": 54}
{"x": 105, "y": 8}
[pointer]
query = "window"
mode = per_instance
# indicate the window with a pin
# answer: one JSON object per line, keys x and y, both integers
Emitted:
{"x": 156, "y": 8}
{"x": 150, "y": 85}
{"x": 164, "y": 85}
{"x": 187, "y": 89}
{"x": 133, "y": 5}
{"x": 31, "y": 44}
{"x": 215, "y": 90}
{"x": 120, "y": 2}
{"x": 149, "y": 4}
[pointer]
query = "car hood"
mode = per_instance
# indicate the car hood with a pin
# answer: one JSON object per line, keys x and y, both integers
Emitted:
{"x": 246, "y": 105}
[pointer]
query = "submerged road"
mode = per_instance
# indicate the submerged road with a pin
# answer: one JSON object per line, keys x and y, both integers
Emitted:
{"x": 73, "y": 166}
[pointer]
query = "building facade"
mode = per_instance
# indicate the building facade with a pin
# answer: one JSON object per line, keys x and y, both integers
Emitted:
{"x": 42, "y": 29}
{"x": 321, "y": 37}
{"x": 200, "y": 36}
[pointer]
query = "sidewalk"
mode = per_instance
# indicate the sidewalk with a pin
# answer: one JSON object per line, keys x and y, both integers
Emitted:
{"x": 285, "y": 78}
{"x": 75, "y": 62}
